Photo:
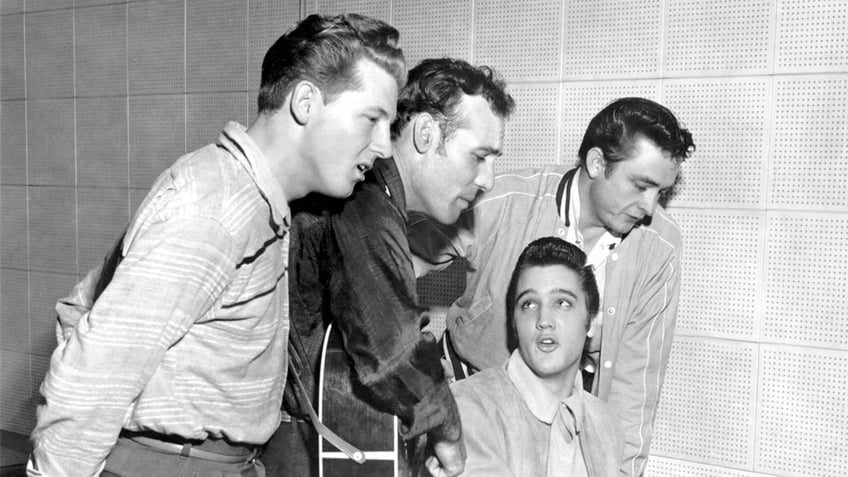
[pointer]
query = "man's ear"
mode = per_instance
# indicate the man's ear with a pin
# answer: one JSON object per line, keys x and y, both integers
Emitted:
{"x": 425, "y": 131}
{"x": 595, "y": 162}
{"x": 303, "y": 98}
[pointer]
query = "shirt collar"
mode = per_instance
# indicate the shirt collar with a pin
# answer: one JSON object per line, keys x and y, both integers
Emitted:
{"x": 385, "y": 174}
{"x": 605, "y": 243}
{"x": 234, "y": 138}
{"x": 541, "y": 402}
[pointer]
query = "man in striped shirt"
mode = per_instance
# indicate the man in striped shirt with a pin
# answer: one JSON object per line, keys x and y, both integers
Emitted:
{"x": 178, "y": 366}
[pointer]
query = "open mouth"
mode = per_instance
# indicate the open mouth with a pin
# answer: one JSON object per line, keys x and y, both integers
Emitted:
{"x": 546, "y": 343}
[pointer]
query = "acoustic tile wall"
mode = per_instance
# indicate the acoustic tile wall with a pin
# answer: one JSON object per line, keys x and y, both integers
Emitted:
{"x": 757, "y": 380}
{"x": 97, "y": 97}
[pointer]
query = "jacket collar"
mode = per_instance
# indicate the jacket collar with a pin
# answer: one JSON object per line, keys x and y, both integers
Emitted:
{"x": 541, "y": 402}
{"x": 234, "y": 138}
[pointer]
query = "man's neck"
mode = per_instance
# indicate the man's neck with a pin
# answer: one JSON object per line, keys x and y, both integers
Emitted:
{"x": 589, "y": 226}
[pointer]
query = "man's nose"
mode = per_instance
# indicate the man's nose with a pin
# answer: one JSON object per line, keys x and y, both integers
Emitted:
{"x": 381, "y": 140}
{"x": 649, "y": 201}
{"x": 544, "y": 320}
{"x": 486, "y": 175}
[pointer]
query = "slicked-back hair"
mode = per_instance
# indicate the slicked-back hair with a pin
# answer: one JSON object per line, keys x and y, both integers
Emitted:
{"x": 326, "y": 51}
{"x": 436, "y": 86}
{"x": 615, "y": 128}
{"x": 545, "y": 252}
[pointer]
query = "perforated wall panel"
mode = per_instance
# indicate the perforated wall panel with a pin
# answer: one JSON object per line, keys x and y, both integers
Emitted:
{"x": 379, "y": 9}
{"x": 50, "y": 131}
{"x": 720, "y": 376}
{"x": 806, "y": 293}
{"x": 156, "y": 47}
{"x": 720, "y": 286}
{"x": 266, "y": 21}
{"x": 11, "y": 6}
{"x": 811, "y": 36}
{"x": 581, "y": 101}
{"x": 13, "y": 227}
{"x": 664, "y": 467}
{"x": 216, "y": 45}
{"x": 101, "y": 50}
{"x": 52, "y": 229}
{"x": 443, "y": 287}
{"x": 433, "y": 28}
{"x": 810, "y": 148}
{"x": 728, "y": 119}
{"x": 14, "y": 306}
{"x": 49, "y": 54}
{"x": 520, "y": 39}
{"x": 802, "y": 420}
{"x": 437, "y": 321}
{"x": 709, "y": 37}
{"x": 102, "y": 142}
{"x": 103, "y": 215}
{"x": 156, "y": 136}
{"x": 612, "y": 39}
{"x": 209, "y": 113}
{"x": 12, "y": 60}
{"x": 39, "y": 5}
{"x": 16, "y": 412}
{"x": 13, "y": 143}
{"x": 531, "y": 131}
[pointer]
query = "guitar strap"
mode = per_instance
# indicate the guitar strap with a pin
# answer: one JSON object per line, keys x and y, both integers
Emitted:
{"x": 339, "y": 443}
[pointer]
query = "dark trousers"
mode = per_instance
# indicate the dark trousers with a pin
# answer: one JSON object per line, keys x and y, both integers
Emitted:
{"x": 131, "y": 459}
{"x": 292, "y": 451}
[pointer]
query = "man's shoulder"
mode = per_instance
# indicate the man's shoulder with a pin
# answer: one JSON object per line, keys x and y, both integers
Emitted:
{"x": 486, "y": 385}
{"x": 522, "y": 186}
{"x": 662, "y": 227}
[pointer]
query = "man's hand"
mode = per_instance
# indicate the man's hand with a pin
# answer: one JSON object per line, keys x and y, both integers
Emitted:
{"x": 448, "y": 459}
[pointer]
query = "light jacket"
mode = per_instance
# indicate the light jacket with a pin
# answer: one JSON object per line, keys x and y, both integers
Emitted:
{"x": 505, "y": 437}
{"x": 639, "y": 306}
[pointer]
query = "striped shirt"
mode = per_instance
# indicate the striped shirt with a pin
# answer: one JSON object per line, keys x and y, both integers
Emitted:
{"x": 189, "y": 339}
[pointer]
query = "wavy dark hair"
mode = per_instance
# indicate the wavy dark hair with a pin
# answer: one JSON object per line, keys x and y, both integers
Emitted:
{"x": 326, "y": 50}
{"x": 615, "y": 128}
{"x": 436, "y": 86}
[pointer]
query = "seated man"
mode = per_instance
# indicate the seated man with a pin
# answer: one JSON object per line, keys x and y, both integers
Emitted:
{"x": 631, "y": 155}
{"x": 531, "y": 416}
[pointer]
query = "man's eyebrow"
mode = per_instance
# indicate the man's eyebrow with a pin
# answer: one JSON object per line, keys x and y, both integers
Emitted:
{"x": 646, "y": 180}
{"x": 377, "y": 109}
{"x": 566, "y": 292}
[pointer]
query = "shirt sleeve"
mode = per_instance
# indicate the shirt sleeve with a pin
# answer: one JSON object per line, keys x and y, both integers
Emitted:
{"x": 641, "y": 364}
{"x": 377, "y": 310}
{"x": 172, "y": 274}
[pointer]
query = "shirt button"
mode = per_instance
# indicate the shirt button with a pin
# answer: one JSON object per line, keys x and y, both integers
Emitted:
{"x": 561, "y": 232}
{"x": 614, "y": 257}
{"x": 611, "y": 310}
{"x": 608, "y": 364}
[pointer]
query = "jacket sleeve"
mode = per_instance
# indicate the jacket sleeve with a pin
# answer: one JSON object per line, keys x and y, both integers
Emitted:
{"x": 642, "y": 360}
{"x": 483, "y": 438}
{"x": 377, "y": 311}
{"x": 171, "y": 276}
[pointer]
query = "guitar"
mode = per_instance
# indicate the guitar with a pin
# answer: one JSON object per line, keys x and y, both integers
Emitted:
{"x": 341, "y": 409}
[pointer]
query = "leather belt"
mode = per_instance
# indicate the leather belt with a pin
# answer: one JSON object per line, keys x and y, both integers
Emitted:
{"x": 190, "y": 450}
